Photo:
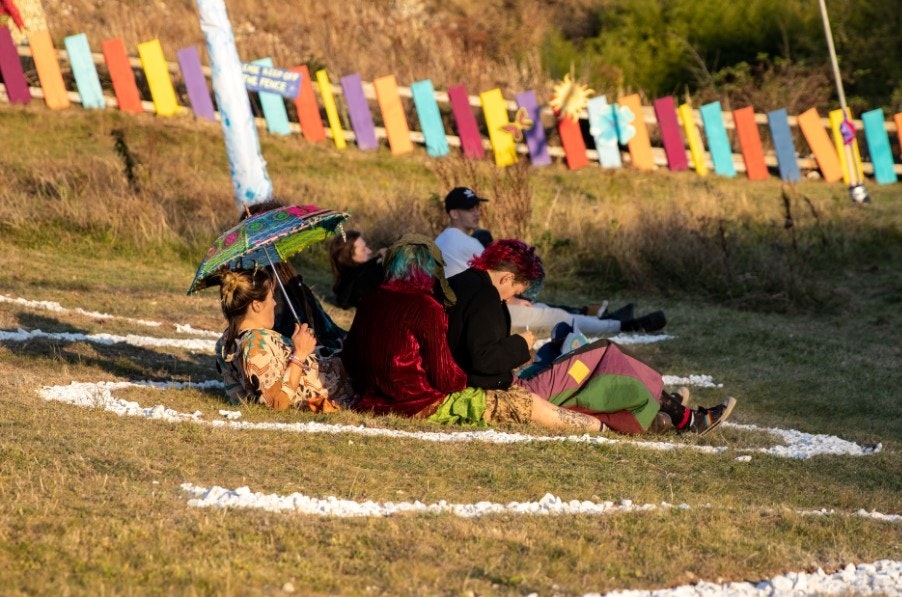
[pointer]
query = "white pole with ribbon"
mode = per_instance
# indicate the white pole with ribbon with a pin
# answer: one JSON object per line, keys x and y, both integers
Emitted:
{"x": 248, "y": 168}
{"x": 857, "y": 190}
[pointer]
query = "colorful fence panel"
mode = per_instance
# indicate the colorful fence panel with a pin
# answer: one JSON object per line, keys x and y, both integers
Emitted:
{"x": 693, "y": 139}
{"x": 816, "y": 136}
{"x": 671, "y": 138}
{"x": 430, "y": 118}
{"x": 878, "y": 146}
{"x": 90, "y": 92}
{"x": 494, "y": 108}
{"x": 603, "y": 128}
{"x": 11, "y": 70}
{"x": 196, "y": 83}
{"x": 50, "y": 75}
{"x": 396, "y": 128}
{"x": 897, "y": 120}
{"x": 572, "y": 141}
{"x": 325, "y": 92}
{"x": 273, "y": 107}
{"x": 787, "y": 163}
{"x": 162, "y": 92}
{"x": 639, "y": 143}
{"x": 124, "y": 86}
{"x": 359, "y": 112}
{"x": 307, "y": 109}
{"x": 718, "y": 142}
{"x": 467, "y": 129}
{"x": 534, "y": 134}
{"x": 836, "y": 120}
{"x": 750, "y": 143}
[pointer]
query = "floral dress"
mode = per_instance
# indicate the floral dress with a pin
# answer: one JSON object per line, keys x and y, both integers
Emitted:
{"x": 256, "y": 370}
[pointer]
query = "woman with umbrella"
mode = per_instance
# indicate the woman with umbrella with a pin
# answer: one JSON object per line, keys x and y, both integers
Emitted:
{"x": 258, "y": 364}
{"x": 304, "y": 304}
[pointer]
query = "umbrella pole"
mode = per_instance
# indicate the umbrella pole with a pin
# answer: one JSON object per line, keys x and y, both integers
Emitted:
{"x": 282, "y": 286}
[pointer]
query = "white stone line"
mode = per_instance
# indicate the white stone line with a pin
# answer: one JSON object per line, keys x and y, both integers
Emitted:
{"x": 549, "y": 504}
{"x": 861, "y": 512}
{"x": 883, "y": 577}
{"x": 639, "y": 338}
{"x": 243, "y": 497}
{"x": 701, "y": 381}
{"x": 57, "y": 308}
{"x": 196, "y": 345}
{"x": 823, "y": 444}
{"x": 100, "y": 395}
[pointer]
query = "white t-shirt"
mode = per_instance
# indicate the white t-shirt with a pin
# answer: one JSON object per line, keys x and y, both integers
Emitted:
{"x": 457, "y": 249}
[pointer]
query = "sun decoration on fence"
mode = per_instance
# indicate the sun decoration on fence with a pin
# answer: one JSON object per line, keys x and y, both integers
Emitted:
{"x": 570, "y": 98}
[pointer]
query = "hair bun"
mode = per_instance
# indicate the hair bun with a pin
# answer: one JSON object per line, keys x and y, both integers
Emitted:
{"x": 229, "y": 281}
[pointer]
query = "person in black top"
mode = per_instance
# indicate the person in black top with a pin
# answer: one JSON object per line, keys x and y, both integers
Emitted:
{"x": 355, "y": 270}
{"x": 479, "y": 334}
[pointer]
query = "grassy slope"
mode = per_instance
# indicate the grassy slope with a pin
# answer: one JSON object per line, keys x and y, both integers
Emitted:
{"x": 90, "y": 502}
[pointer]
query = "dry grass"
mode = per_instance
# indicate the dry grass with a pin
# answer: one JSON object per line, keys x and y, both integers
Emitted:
{"x": 90, "y": 502}
{"x": 480, "y": 44}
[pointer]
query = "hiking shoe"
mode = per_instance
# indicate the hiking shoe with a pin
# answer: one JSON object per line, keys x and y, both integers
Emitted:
{"x": 647, "y": 323}
{"x": 706, "y": 419}
{"x": 683, "y": 395}
{"x": 595, "y": 309}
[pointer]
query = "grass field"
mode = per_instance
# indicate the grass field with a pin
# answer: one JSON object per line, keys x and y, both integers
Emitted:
{"x": 800, "y": 323}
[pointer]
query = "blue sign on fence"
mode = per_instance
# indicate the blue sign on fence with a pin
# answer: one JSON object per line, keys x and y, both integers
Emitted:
{"x": 271, "y": 79}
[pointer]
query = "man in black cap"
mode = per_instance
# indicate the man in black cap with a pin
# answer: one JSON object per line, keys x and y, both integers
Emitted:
{"x": 456, "y": 241}
{"x": 459, "y": 246}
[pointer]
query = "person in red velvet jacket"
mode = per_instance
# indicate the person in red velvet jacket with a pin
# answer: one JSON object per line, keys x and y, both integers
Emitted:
{"x": 397, "y": 353}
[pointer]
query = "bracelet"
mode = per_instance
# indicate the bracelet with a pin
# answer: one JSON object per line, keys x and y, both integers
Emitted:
{"x": 298, "y": 362}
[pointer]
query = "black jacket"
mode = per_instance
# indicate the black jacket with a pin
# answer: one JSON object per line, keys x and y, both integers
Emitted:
{"x": 358, "y": 282}
{"x": 479, "y": 327}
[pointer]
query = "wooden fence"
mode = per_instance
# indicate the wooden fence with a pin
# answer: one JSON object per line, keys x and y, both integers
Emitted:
{"x": 664, "y": 135}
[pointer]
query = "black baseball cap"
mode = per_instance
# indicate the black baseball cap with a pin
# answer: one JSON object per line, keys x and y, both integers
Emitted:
{"x": 462, "y": 198}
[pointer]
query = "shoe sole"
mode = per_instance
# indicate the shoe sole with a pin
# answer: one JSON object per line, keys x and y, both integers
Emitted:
{"x": 685, "y": 396}
{"x": 731, "y": 403}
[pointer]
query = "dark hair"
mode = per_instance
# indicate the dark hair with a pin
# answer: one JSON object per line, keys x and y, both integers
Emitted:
{"x": 512, "y": 256}
{"x": 341, "y": 254}
{"x": 237, "y": 290}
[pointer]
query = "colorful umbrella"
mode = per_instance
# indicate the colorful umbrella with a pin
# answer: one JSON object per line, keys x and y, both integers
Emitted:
{"x": 265, "y": 239}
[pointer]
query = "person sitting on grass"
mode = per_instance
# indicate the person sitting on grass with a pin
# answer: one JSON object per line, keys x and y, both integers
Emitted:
{"x": 303, "y": 301}
{"x": 479, "y": 334}
{"x": 397, "y": 354}
{"x": 459, "y": 245}
{"x": 260, "y": 365}
{"x": 355, "y": 270}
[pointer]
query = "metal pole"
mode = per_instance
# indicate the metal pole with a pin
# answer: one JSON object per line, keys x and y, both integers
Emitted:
{"x": 857, "y": 190}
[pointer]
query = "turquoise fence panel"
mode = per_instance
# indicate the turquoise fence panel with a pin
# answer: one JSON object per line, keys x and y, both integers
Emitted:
{"x": 85, "y": 72}
{"x": 430, "y": 118}
{"x": 273, "y": 106}
{"x": 718, "y": 142}
{"x": 878, "y": 146}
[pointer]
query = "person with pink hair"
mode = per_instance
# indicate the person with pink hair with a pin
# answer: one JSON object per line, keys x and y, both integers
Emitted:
{"x": 629, "y": 399}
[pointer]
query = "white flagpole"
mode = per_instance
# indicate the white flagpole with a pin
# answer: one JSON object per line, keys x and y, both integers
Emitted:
{"x": 857, "y": 190}
{"x": 248, "y": 168}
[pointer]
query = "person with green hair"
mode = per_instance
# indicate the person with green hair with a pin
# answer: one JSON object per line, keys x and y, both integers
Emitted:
{"x": 397, "y": 353}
